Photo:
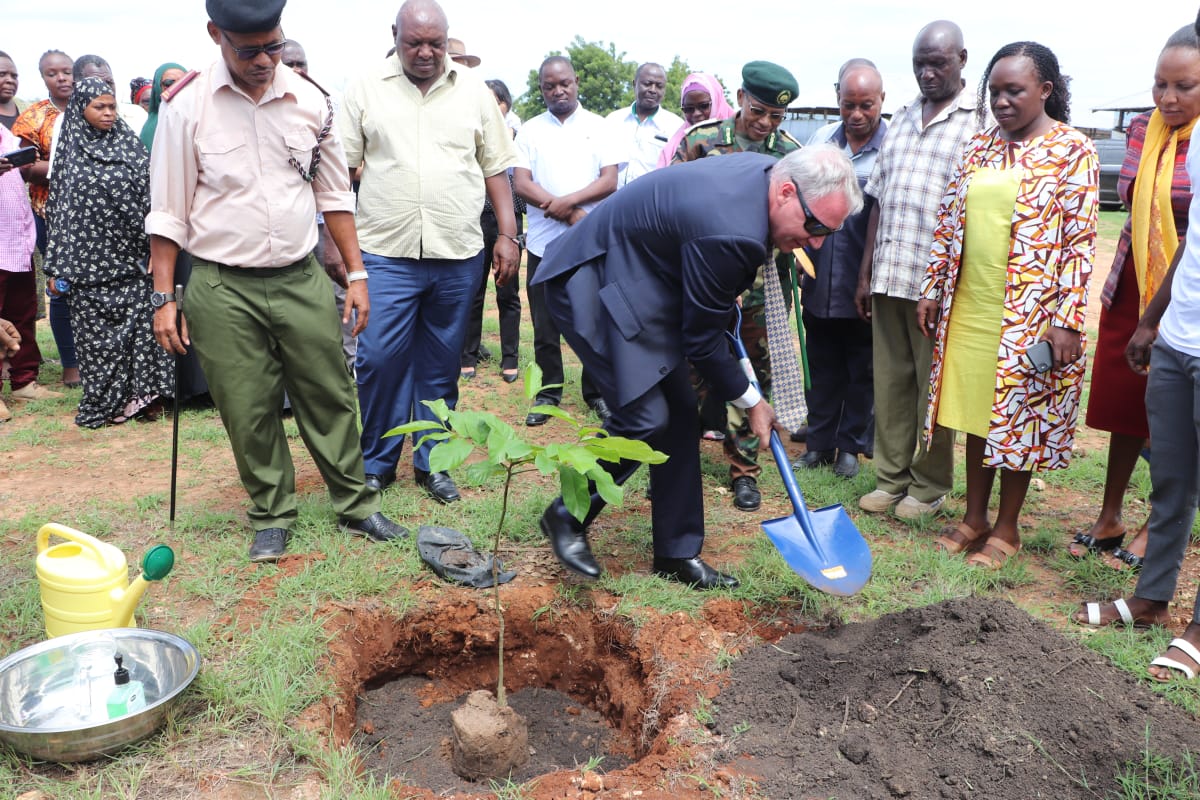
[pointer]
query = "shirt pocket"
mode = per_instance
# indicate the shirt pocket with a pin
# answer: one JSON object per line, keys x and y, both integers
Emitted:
{"x": 225, "y": 161}
{"x": 300, "y": 146}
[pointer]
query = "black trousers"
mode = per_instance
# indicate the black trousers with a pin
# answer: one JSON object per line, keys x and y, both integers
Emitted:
{"x": 841, "y": 399}
{"x": 547, "y": 344}
{"x": 665, "y": 417}
{"x": 508, "y": 303}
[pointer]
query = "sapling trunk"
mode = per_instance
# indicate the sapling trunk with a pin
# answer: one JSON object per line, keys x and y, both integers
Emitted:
{"x": 501, "y": 699}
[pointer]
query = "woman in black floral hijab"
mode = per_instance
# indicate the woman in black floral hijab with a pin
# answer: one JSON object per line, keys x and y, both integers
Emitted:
{"x": 99, "y": 198}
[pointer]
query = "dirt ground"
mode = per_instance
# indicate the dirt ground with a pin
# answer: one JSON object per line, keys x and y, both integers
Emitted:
{"x": 968, "y": 699}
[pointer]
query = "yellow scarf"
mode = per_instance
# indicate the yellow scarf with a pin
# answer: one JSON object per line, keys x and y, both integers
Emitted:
{"x": 1155, "y": 239}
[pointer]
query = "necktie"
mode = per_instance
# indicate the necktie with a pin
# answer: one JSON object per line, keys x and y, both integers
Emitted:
{"x": 787, "y": 382}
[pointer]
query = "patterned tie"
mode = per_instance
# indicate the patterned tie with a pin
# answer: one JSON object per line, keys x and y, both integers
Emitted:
{"x": 787, "y": 382}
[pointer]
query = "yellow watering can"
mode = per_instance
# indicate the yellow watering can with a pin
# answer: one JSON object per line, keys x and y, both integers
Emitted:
{"x": 85, "y": 582}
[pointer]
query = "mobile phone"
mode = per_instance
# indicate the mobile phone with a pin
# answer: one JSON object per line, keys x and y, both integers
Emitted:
{"x": 19, "y": 158}
{"x": 1041, "y": 356}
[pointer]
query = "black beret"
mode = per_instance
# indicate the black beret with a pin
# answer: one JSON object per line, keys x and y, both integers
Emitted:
{"x": 769, "y": 83}
{"x": 245, "y": 16}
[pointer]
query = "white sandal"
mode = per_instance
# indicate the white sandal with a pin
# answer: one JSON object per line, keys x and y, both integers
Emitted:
{"x": 1178, "y": 666}
{"x": 1093, "y": 614}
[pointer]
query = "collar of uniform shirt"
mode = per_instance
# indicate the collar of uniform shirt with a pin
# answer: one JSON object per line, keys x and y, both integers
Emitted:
{"x": 279, "y": 84}
{"x": 450, "y": 73}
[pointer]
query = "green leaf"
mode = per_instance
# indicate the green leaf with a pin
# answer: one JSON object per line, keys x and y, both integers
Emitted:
{"x": 481, "y": 472}
{"x": 449, "y": 454}
{"x": 606, "y": 487}
{"x": 436, "y": 436}
{"x": 438, "y": 407}
{"x": 556, "y": 412}
{"x": 416, "y": 426}
{"x": 545, "y": 462}
{"x": 499, "y": 437}
{"x": 615, "y": 448}
{"x": 574, "y": 492}
{"x": 533, "y": 382}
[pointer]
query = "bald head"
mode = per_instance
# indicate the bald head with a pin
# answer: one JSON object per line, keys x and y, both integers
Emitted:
{"x": 860, "y": 101}
{"x": 420, "y": 33}
{"x": 293, "y": 56}
{"x": 938, "y": 60}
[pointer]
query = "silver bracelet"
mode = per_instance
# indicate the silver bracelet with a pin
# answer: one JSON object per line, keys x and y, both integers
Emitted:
{"x": 357, "y": 275}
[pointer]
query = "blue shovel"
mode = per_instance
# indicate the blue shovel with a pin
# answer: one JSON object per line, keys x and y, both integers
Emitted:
{"x": 824, "y": 547}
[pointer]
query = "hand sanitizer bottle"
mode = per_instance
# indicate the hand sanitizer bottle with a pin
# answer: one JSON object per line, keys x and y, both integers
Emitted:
{"x": 127, "y": 696}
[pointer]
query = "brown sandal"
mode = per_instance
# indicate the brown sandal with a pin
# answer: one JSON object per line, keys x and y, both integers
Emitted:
{"x": 980, "y": 558}
{"x": 967, "y": 538}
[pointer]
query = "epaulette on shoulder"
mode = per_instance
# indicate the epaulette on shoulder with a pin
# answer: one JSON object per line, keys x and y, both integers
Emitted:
{"x": 179, "y": 84}
{"x": 704, "y": 127}
{"x": 788, "y": 137}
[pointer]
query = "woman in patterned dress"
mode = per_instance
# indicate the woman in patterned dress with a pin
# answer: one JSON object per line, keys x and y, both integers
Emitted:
{"x": 1009, "y": 269}
{"x": 1155, "y": 186}
{"x": 99, "y": 198}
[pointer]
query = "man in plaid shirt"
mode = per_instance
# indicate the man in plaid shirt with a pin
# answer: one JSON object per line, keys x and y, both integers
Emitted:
{"x": 918, "y": 157}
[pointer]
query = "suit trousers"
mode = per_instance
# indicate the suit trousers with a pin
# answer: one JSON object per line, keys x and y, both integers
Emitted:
{"x": 410, "y": 350}
{"x": 665, "y": 417}
{"x": 547, "y": 344}
{"x": 508, "y": 303}
{"x": 903, "y": 360}
{"x": 841, "y": 399}
{"x": 1173, "y": 408}
{"x": 256, "y": 337}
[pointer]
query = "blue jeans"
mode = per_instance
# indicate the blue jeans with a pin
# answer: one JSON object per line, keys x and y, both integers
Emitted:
{"x": 57, "y": 311}
{"x": 410, "y": 349}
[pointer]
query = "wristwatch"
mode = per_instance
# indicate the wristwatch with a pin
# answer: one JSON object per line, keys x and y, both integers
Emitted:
{"x": 160, "y": 299}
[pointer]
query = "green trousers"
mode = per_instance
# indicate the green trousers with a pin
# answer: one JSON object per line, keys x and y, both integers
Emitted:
{"x": 903, "y": 359}
{"x": 256, "y": 336}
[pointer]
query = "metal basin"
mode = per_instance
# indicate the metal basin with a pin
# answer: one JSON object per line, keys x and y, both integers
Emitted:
{"x": 52, "y": 693}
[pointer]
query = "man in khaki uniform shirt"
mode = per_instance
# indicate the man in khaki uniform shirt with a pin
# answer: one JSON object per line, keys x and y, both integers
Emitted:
{"x": 431, "y": 140}
{"x": 243, "y": 159}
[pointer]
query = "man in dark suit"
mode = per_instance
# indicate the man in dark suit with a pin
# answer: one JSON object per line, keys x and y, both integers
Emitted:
{"x": 645, "y": 284}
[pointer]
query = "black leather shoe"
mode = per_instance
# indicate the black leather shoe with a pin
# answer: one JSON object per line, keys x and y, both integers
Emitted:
{"x": 510, "y": 377}
{"x": 745, "y": 494}
{"x": 601, "y": 408}
{"x": 813, "y": 459}
{"x": 569, "y": 541}
{"x": 269, "y": 544}
{"x": 376, "y": 527}
{"x": 437, "y": 485}
{"x": 800, "y": 434}
{"x": 846, "y": 465}
{"x": 535, "y": 418}
{"x": 693, "y": 572}
{"x": 378, "y": 482}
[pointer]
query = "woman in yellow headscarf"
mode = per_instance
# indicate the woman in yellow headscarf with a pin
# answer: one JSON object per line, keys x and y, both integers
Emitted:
{"x": 1154, "y": 184}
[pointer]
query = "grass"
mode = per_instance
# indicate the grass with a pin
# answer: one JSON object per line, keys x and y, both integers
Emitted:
{"x": 261, "y": 629}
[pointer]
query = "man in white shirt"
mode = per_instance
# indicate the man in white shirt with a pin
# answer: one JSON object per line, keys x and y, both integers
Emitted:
{"x": 645, "y": 127}
{"x": 566, "y": 164}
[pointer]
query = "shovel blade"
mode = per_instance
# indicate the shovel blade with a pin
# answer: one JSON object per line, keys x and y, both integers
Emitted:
{"x": 836, "y": 560}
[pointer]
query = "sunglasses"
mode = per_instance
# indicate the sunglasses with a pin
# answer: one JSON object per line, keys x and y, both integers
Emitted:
{"x": 703, "y": 108}
{"x": 812, "y": 225}
{"x": 758, "y": 111}
{"x": 251, "y": 53}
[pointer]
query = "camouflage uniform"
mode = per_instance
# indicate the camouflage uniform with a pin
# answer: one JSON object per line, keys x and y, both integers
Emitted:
{"x": 714, "y": 138}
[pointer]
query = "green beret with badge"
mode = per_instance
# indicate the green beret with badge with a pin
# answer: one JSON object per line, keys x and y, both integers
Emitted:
{"x": 769, "y": 83}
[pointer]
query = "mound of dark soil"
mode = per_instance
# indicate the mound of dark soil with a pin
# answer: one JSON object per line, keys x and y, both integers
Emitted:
{"x": 965, "y": 699}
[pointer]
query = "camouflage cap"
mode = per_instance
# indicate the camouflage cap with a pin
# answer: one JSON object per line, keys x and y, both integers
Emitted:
{"x": 769, "y": 83}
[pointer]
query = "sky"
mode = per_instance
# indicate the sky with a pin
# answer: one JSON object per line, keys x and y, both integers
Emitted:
{"x": 1109, "y": 53}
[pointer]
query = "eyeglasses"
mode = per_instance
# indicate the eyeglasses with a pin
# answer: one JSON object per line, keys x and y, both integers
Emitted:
{"x": 812, "y": 225}
{"x": 167, "y": 83}
{"x": 703, "y": 108}
{"x": 758, "y": 111}
{"x": 251, "y": 53}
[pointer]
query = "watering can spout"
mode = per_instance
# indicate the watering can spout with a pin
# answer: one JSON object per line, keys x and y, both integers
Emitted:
{"x": 157, "y": 562}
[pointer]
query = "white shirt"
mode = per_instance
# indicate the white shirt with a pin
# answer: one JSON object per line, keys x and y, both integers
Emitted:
{"x": 563, "y": 157}
{"x": 1174, "y": 328}
{"x": 642, "y": 140}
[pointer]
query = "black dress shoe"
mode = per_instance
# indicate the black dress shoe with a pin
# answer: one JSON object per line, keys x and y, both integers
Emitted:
{"x": 535, "y": 418}
{"x": 601, "y": 408}
{"x": 378, "y": 482}
{"x": 846, "y": 465}
{"x": 269, "y": 544}
{"x": 745, "y": 493}
{"x": 376, "y": 527}
{"x": 813, "y": 459}
{"x": 694, "y": 572}
{"x": 437, "y": 485}
{"x": 800, "y": 434}
{"x": 569, "y": 541}
{"x": 510, "y": 377}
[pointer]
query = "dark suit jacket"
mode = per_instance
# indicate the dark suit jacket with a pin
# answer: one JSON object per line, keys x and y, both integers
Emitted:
{"x": 652, "y": 273}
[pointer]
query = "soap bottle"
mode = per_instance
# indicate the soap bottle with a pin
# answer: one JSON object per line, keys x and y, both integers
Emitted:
{"x": 127, "y": 696}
